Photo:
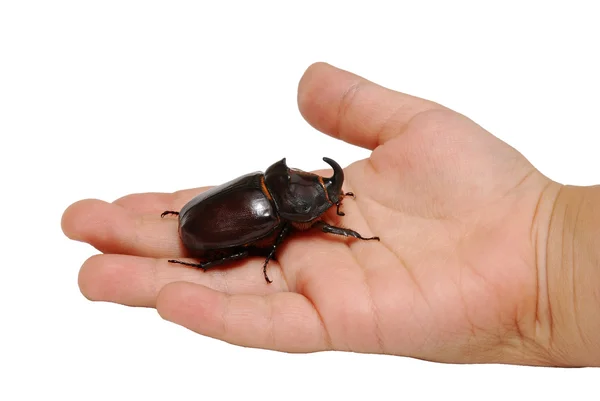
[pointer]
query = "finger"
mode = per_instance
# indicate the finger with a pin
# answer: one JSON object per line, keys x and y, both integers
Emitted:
{"x": 353, "y": 109}
{"x": 157, "y": 202}
{"x": 284, "y": 321}
{"x": 112, "y": 229}
{"x": 136, "y": 281}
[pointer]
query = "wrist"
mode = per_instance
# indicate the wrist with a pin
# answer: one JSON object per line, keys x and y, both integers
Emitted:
{"x": 570, "y": 321}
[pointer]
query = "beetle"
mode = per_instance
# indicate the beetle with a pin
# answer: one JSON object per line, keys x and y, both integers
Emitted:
{"x": 253, "y": 214}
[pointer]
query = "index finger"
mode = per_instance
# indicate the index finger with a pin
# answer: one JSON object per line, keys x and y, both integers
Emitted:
{"x": 157, "y": 202}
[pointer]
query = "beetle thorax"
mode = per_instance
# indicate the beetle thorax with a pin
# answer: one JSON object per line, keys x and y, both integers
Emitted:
{"x": 302, "y": 197}
{"x": 299, "y": 196}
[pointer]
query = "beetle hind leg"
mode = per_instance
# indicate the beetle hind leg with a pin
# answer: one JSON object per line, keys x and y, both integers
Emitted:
{"x": 214, "y": 262}
{"x": 199, "y": 265}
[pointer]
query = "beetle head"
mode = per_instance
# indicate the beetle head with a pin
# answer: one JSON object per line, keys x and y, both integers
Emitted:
{"x": 302, "y": 196}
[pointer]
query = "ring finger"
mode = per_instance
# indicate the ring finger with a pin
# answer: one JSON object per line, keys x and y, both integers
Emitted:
{"x": 136, "y": 281}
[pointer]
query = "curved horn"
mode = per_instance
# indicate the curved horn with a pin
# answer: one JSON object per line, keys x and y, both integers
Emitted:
{"x": 333, "y": 185}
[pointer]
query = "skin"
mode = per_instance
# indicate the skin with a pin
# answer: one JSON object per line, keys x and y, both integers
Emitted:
{"x": 482, "y": 259}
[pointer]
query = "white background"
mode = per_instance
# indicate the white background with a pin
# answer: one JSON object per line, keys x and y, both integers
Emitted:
{"x": 102, "y": 99}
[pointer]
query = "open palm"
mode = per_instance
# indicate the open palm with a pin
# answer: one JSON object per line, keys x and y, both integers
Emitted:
{"x": 454, "y": 277}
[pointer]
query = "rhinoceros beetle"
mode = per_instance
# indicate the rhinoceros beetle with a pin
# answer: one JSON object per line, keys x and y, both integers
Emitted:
{"x": 254, "y": 213}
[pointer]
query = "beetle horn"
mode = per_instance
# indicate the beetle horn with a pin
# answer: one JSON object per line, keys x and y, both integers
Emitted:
{"x": 333, "y": 185}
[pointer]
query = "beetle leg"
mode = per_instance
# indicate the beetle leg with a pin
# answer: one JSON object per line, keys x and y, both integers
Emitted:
{"x": 337, "y": 210}
{"x": 280, "y": 237}
{"x": 213, "y": 263}
{"x": 339, "y": 203}
{"x": 327, "y": 228}
{"x": 166, "y": 212}
{"x": 199, "y": 265}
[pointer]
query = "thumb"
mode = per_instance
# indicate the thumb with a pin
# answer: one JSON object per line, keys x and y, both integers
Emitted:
{"x": 353, "y": 109}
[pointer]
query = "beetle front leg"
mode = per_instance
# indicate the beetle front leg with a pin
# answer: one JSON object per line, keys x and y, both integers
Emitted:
{"x": 166, "y": 212}
{"x": 339, "y": 203}
{"x": 328, "y": 228}
{"x": 280, "y": 237}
